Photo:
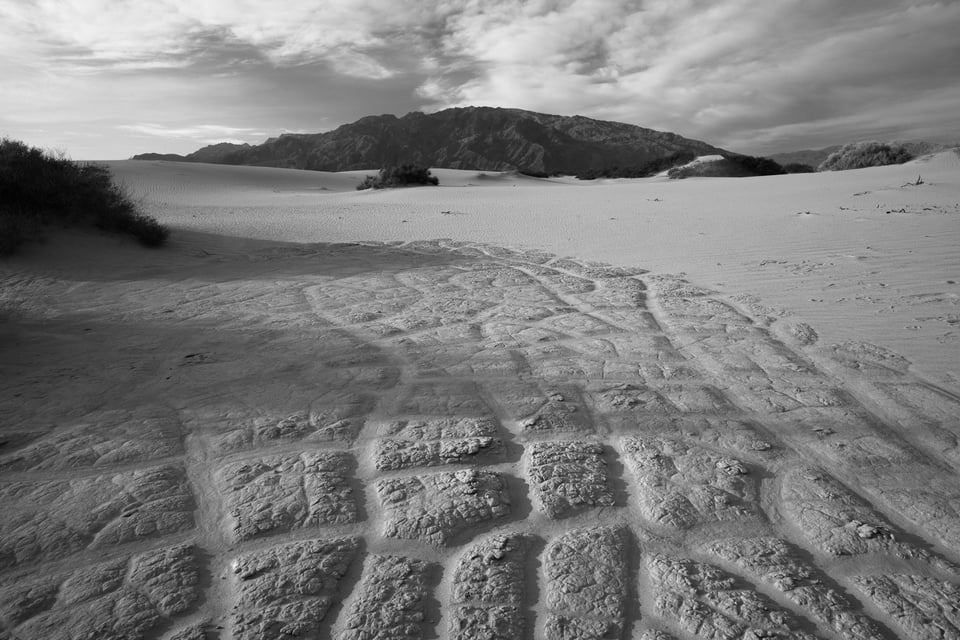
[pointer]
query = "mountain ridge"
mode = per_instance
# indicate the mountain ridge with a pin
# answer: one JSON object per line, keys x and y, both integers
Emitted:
{"x": 476, "y": 138}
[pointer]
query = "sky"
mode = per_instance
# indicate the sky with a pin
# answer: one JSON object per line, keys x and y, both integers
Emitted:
{"x": 106, "y": 79}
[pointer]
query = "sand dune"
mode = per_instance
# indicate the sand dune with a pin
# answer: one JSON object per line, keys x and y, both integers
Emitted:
{"x": 306, "y": 418}
{"x": 854, "y": 253}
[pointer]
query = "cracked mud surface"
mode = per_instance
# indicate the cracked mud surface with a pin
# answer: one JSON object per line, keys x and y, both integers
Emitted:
{"x": 445, "y": 440}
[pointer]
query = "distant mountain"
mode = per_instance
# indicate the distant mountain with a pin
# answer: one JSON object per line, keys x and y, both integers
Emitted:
{"x": 478, "y": 138}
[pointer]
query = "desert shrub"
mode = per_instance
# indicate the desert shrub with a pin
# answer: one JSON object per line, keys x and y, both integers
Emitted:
{"x": 399, "y": 176}
{"x": 858, "y": 155}
{"x": 534, "y": 173}
{"x": 40, "y": 189}
{"x": 731, "y": 165}
{"x": 639, "y": 171}
{"x": 798, "y": 167}
{"x": 755, "y": 166}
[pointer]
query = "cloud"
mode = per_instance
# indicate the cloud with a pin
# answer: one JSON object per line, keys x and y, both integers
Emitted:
{"x": 733, "y": 72}
{"x": 208, "y": 133}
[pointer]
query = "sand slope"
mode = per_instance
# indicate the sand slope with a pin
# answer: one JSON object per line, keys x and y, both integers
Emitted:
{"x": 237, "y": 437}
{"x": 854, "y": 253}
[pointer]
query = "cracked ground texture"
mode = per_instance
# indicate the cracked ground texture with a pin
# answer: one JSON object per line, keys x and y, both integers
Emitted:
{"x": 453, "y": 440}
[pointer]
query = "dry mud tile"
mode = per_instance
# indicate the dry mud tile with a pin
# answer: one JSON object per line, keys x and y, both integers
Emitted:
{"x": 627, "y": 398}
{"x": 616, "y": 294}
{"x": 595, "y": 270}
{"x": 620, "y": 369}
{"x": 561, "y": 283}
{"x": 488, "y": 591}
{"x": 836, "y": 521}
{"x": 389, "y": 601}
{"x": 336, "y": 418}
{"x": 287, "y": 491}
{"x": 457, "y": 335}
{"x": 101, "y": 439}
{"x": 568, "y": 476}
{"x": 441, "y": 399}
{"x": 655, "y": 634}
{"x": 682, "y": 298}
{"x": 494, "y": 363}
{"x": 494, "y": 278}
{"x": 374, "y": 378}
{"x": 698, "y": 398}
{"x": 578, "y": 325}
{"x": 435, "y": 508}
{"x": 517, "y": 313}
{"x": 680, "y": 485}
{"x": 561, "y": 369}
{"x": 346, "y": 305}
{"x": 51, "y": 519}
{"x": 924, "y": 607}
{"x": 636, "y": 321}
{"x": 930, "y": 415}
{"x": 506, "y": 334}
{"x": 776, "y": 563}
{"x": 742, "y": 438}
{"x": 897, "y": 477}
{"x": 341, "y": 349}
{"x": 196, "y": 631}
{"x": 594, "y": 348}
{"x": 439, "y": 360}
{"x": 517, "y": 399}
{"x": 438, "y": 310}
{"x": 428, "y": 443}
{"x": 586, "y": 584}
{"x": 430, "y": 280}
{"x": 872, "y": 360}
{"x": 562, "y": 412}
{"x": 703, "y": 601}
{"x": 286, "y": 591}
{"x": 645, "y": 346}
{"x": 122, "y": 599}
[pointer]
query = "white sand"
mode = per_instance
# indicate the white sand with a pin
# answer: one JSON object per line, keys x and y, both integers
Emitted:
{"x": 856, "y": 254}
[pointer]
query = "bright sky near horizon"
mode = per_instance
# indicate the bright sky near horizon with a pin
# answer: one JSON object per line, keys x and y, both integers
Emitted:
{"x": 105, "y": 79}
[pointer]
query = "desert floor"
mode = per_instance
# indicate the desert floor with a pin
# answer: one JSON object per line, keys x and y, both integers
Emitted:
{"x": 714, "y": 408}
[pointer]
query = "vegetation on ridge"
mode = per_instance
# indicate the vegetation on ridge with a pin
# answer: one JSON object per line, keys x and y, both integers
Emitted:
{"x": 39, "y": 189}
{"x": 732, "y": 165}
{"x": 858, "y": 155}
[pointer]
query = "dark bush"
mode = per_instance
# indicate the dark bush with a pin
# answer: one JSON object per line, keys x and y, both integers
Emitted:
{"x": 731, "y": 165}
{"x": 756, "y": 166}
{"x": 798, "y": 167}
{"x": 639, "y": 171}
{"x": 858, "y": 155}
{"x": 39, "y": 189}
{"x": 399, "y": 176}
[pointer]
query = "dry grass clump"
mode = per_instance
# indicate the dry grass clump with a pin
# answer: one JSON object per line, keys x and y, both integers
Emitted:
{"x": 39, "y": 189}
{"x": 404, "y": 175}
{"x": 858, "y": 155}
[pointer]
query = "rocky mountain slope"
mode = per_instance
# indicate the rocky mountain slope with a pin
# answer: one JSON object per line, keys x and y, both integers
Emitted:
{"x": 481, "y": 138}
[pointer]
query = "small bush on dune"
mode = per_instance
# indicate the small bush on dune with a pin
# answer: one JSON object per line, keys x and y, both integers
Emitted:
{"x": 858, "y": 155}
{"x": 399, "y": 176}
{"x": 39, "y": 189}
